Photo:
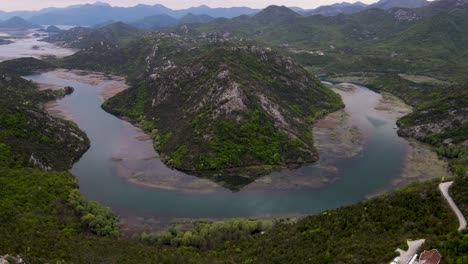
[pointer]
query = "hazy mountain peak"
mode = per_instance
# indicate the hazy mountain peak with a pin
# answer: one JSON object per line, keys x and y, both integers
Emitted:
{"x": 17, "y": 22}
{"x": 99, "y": 3}
{"x": 275, "y": 12}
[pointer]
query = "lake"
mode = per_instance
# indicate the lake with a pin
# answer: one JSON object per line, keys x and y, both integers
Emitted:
{"x": 26, "y": 45}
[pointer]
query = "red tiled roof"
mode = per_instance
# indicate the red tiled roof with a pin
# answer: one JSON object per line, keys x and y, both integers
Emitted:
{"x": 430, "y": 257}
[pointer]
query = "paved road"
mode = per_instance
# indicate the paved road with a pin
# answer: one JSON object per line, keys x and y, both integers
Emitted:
{"x": 413, "y": 248}
{"x": 444, "y": 188}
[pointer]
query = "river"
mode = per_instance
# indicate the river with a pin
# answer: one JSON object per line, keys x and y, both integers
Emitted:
{"x": 119, "y": 152}
{"x": 361, "y": 155}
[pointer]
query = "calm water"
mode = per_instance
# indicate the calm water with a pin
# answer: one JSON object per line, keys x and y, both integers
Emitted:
{"x": 115, "y": 151}
{"x": 26, "y": 45}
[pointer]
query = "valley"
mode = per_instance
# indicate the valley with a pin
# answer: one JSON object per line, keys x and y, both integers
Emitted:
{"x": 218, "y": 139}
{"x": 123, "y": 164}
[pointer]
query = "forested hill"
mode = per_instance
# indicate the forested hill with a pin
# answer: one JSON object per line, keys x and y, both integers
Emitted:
{"x": 190, "y": 93}
{"x": 419, "y": 55}
{"x": 33, "y": 137}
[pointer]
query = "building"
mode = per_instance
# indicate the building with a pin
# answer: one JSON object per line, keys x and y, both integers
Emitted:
{"x": 430, "y": 257}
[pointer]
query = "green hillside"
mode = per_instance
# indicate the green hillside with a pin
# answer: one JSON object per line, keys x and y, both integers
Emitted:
{"x": 34, "y": 137}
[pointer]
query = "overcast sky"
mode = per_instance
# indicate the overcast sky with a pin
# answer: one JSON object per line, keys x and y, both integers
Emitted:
{"x": 11, "y": 5}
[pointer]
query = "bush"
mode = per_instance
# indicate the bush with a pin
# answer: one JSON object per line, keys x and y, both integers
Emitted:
{"x": 98, "y": 219}
{"x": 208, "y": 235}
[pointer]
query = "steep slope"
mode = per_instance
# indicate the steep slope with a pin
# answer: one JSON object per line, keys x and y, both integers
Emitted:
{"x": 34, "y": 137}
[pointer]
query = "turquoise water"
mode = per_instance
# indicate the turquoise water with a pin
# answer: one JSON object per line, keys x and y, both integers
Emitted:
{"x": 115, "y": 152}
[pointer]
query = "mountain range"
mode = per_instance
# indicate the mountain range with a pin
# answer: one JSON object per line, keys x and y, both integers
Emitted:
{"x": 335, "y": 9}
{"x": 164, "y": 21}
{"x": 98, "y": 13}
{"x": 91, "y": 14}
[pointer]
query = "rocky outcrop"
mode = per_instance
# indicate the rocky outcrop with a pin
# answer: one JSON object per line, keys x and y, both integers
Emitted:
{"x": 7, "y": 259}
{"x": 405, "y": 15}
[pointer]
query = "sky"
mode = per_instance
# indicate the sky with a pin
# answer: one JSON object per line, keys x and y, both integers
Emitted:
{"x": 13, "y": 5}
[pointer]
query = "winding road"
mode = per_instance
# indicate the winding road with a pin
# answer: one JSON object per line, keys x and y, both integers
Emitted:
{"x": 444, "y": 188}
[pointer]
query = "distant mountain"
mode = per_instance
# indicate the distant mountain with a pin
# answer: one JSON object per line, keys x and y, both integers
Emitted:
{"x": 338, "y": 8}
{"x": 106, "y": 37}
{"x": 17, "y": 23}
{"x": 53, "y": 29}
{"x": 275, "y": 14}
{"x": 448, "y": 5}
{"x": 165, "y": 21}
{"x": 155, "y": 21}
{"x": 97, "y": 13}
{"x": 218, "y": 12}
{"x": 389, "y": 4}
{"x": 69, "y": 38}
{"x": 192, "y": 18}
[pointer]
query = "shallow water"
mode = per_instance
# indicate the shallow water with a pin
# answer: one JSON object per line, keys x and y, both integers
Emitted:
{"x": 117, "y": 152}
